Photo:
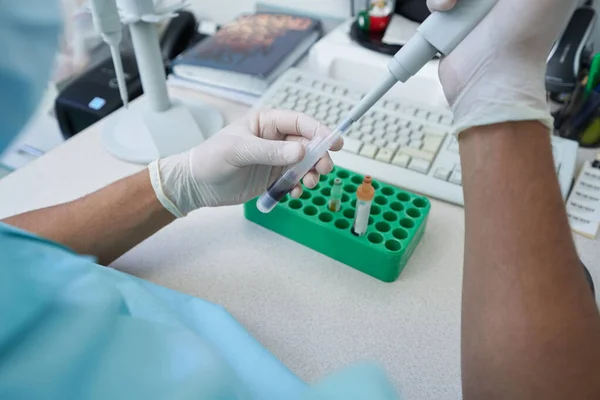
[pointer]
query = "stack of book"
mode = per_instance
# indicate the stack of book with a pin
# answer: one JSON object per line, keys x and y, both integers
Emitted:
{"x": 244, "y": 57}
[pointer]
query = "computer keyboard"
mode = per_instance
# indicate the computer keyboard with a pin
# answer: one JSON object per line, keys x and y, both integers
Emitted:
{"x": 398, "y": 141}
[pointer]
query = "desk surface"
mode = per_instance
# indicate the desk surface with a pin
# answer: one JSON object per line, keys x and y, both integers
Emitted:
{"x": 313, "y": 313}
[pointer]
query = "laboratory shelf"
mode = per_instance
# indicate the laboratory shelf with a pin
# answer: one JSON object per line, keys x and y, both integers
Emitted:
{"x": 396, "y": 224}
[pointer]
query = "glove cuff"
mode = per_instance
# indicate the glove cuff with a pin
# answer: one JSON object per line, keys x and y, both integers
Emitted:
{"x": 173, "y": 184}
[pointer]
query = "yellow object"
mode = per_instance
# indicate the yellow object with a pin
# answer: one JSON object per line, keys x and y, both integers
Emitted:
{"x": 591, "y": 135}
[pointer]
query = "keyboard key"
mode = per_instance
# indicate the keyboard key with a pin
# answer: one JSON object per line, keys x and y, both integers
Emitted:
{"x": 422, "y": 114}
{"x": 384, "y": 155}
{"x": 402, "y": 141}
{"x": 401, "y": 160}
{"x": 403, "y": 123}
{"x": 432, "y": 143}
{"x": 331, "y": 120}
{"x": 367, "y": 138}
{"x": 392, "y": 146}
{"x": 320, "y": 116}
{"x": 352, "y": 145}
{"x": 393, "y": 128}
{"x": 380, "y": 142}
{"x": 380, "y": 125}
{"x": 415, "y": 126}
{"x": 405, "y": 132}
{"x": 388, "y": 105}
{"x": 442, "y": 173}
{"x": 415, "y": 144}
{"x": 369, "y": 150}
{"x": 409, "y": 151}
{"x": 354, "y": 96}
{"x": 419, "y": 165}
{"x": 355, "y": 134}
{"x": 433, "y": 130}
{"x": 416, "y": 135}
{"x": 446, "y": 120}
{"x": 408, "y": 109}
{"x": 433, "y": 117}
{"x": 368, "y": 121}
{"x": 390, "y": 136}
{"x": 379, "y": 116}
{"x": 456, "y": 177}
{"x": 378, "y": 133}
{"x": 366, "y": 130}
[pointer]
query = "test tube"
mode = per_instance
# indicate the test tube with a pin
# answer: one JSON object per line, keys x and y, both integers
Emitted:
{"x": 364, "y": 198}
{"x": 335, "y": 201}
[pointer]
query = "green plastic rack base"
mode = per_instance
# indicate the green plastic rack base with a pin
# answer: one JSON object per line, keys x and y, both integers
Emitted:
{"x": 396, "y": 225}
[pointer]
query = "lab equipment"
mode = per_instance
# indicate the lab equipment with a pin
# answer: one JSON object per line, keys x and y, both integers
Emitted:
{"x": 155, "y": 126}
{"x": 399, "y": 141}
{"x": 364, "y": 200}
{"x": 396, "y": 224}
{"x": 93, "y": 94}
{"x": 335, "y": 201}
{"x": 441, "y": 32}
{"x": 108, "y": 24}
{"x": 571, "y": 52}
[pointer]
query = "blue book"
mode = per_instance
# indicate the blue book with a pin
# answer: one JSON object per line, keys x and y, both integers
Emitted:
{"x": 248, "y": 54}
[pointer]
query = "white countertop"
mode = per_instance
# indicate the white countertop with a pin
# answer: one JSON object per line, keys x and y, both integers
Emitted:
{"x": 313, "y": 313}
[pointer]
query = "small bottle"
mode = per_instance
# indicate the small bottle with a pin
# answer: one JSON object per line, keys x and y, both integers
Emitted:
{"x": 335, "y": 202}
{"x": 364, "y": 198}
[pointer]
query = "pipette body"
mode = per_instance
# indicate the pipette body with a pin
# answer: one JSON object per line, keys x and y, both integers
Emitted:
{"x": 107, "y": 22}
{"x": 441, "y": 32}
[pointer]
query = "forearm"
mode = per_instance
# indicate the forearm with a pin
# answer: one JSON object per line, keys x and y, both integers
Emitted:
{"x": 106, "y": 223}
{"x": 530, "y": 324}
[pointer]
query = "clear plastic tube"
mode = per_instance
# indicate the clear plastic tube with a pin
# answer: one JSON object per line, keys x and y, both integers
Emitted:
{"x": 315, "y": 149}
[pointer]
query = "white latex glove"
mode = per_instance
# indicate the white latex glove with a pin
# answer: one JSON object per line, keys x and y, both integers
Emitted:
{"x": 497, "y": 73}
{"x": 239, "y": 162}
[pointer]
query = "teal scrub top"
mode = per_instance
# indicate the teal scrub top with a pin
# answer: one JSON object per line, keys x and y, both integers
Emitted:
{"x": 72, "y": 329}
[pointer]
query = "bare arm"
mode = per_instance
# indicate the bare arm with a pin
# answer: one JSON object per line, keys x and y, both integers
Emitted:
{"x": 106, "y": 223}
{"x": 530, "y": 326}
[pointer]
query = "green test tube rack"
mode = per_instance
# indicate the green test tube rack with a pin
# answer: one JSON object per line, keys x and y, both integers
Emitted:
{"x": 396, "y": 225}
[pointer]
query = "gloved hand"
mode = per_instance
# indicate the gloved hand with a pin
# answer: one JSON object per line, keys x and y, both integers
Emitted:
{"x": 239, "y": 162}
{"x": 497, "y": 73}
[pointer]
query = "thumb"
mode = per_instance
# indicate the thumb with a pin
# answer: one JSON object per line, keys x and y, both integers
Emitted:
{"x": 257, "y": 151}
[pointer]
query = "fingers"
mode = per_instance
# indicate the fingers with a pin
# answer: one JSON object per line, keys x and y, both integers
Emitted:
{"x": 441, "y": 5}
{"x": 296, "y": 191}
{"x": 277, "y": 124}
{"x": 256, "y": 151}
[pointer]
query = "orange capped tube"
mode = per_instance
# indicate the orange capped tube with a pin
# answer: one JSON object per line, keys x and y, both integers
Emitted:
{"x": 364, "y": 198}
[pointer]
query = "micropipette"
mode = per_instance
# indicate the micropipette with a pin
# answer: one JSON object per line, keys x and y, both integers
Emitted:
{"x": 108, "y": 24}
{"x": 440, "y": 33}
